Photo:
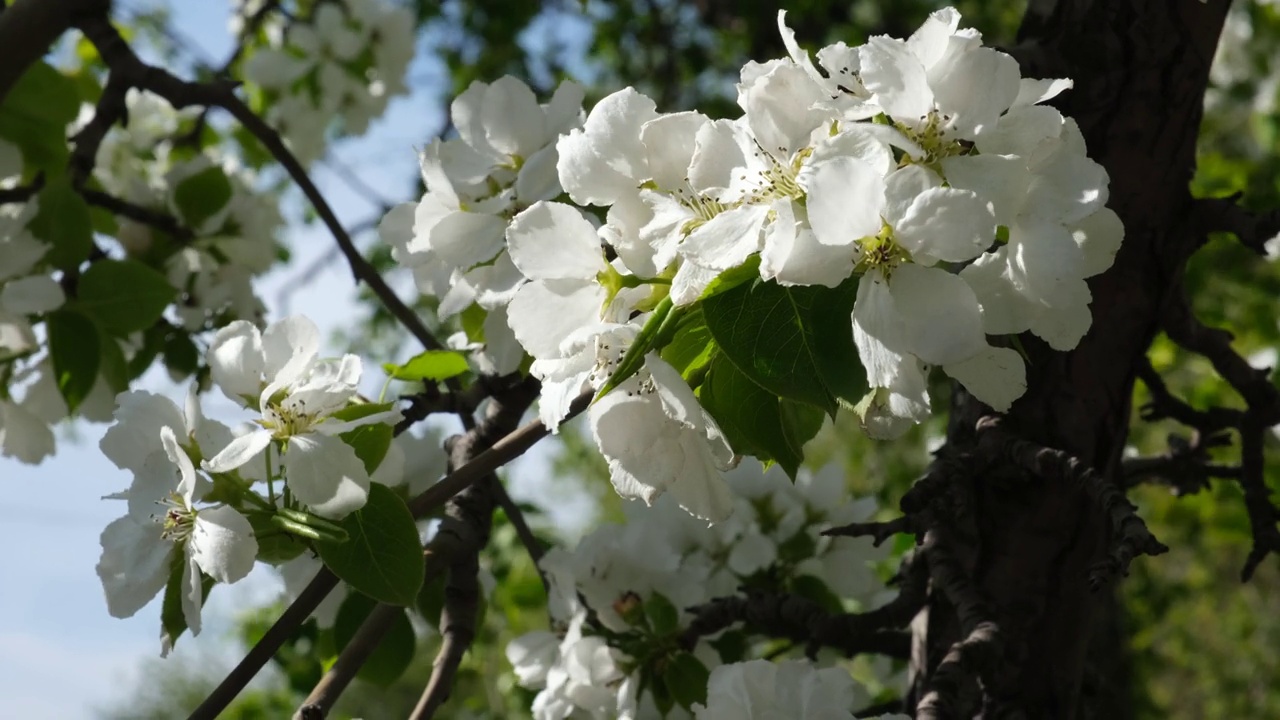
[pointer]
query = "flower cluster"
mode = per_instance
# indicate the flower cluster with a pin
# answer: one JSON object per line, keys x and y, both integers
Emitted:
{"x": 621, "y": 593}
{"x": 212, "y": 196}
{"x": 26, "y": 290}
{"x": 925, "y": 169}
{"x": 346, "y": 61}
{"x": 193, "y": 495}
{"x": 502, "y": 163}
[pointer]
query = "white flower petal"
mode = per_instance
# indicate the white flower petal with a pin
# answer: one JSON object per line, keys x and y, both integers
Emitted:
{"x": 326, "y": 475}
{"x": 728, "y": 239}
{"x": 975, "y": 89}
{"x": 136, "y": 432}
{"x": 235, "y": 361}
{"x": 288, "y": 347}
{"x": 845, "y": 200}
{"x": 134, "y": 565}
{"x": 463, "y": 239}
{"x": 33, "y": 294}
{"x": 1001, "y": 180}
{"x": 946, "y": 224}
{"x": 512, "y": 119}
{"x": 896, "y": 78}
{"x": 995, "y": 376}
{"x": 941, "y": 320}
{"x": 1099, "y": 237}
{"x": 669, "y": 141}
{"x": 552, "y": 241}
{"x": 792, "y": 254}
{"x": 605, "y": 159}
{"x": 238, "y": 452}
{"x": 543, "y": 314}
{"x": 222, "y": 544}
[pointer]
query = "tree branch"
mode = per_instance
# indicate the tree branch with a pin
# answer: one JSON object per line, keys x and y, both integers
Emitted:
{"x": 28, "y": 28}
{"x": 974, "y": 657}
{"x": 132, "y": 72}
{"x": 1263, "y": 515}
{"x": 1129, "y": 534}
{"x": 802, "y": 620}
{"x": 1224, "y": 214}
{"x": 1214, "y": 344}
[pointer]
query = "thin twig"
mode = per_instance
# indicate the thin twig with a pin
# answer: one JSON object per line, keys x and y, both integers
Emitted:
{"x": 123, "y": 62}
{"x": 297, "y": 613}
{"x": 161, "y": 221}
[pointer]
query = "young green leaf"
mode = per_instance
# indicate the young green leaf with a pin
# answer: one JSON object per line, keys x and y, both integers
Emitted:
{"x": 382, "y": 557}
{"x": 431, "y": 365}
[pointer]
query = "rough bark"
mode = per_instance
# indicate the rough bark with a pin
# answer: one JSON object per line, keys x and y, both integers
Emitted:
{"x": 1140, "y": 69}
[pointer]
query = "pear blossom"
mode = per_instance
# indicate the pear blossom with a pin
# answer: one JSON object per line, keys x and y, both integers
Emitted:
{"x": 296, "y": 394}
{"x": 138, "y": 549}
{"x": 760, "y": 689}
{"x": 656, "y": 437}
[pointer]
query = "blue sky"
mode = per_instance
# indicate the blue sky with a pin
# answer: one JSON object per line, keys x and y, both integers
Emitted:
{"x": 61, "y": 654}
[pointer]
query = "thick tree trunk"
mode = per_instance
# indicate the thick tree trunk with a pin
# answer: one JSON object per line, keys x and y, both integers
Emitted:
{"x": 1140, "y": 69}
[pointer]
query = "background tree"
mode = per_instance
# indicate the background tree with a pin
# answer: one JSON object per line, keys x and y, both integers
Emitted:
{"x": 1024, "y": 543}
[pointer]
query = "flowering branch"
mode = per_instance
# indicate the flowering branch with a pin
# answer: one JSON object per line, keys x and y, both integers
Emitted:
{"x": 124, "y": 63}
{"x": 511, "y": 446}
{"x": 1130, "y": 535}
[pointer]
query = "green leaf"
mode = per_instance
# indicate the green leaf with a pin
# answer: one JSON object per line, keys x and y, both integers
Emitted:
{"x": 839, "y": 364}
{"x": 35, "y": 114}
{"x": 733, "y": 277}
{"x": 692, "y": 347}
{"x": 433, "y": 365}
{"x": 181, "y": 356}
{"x": 124, "y": 295}
{"x": 202, "y": 195}
{"x": 112, "y": 365}
{"x": 369, "y": 441}
{"x": 74, "y": 349}
{"x": 797, "y": 342}
{"x": 394, "y": 652}
{"x": 664, "y": 618}
{"x": 686, "y": 679}
{"x": 382, "y": 557}
{"x": 732, "y": 646}
{"x": 752, "y": 418}
{"x": 62, "y": 220}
